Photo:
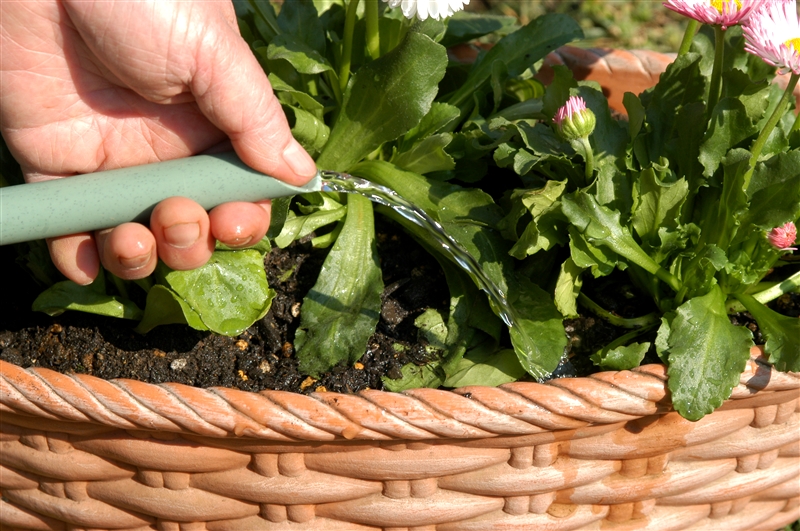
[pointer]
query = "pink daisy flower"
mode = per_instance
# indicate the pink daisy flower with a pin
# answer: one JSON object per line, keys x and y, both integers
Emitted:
{"x": 782, "y": 238}
{"x": 573, "y": 120}
{"x": 773, "y": 34}
{"x": 716, "y": 12}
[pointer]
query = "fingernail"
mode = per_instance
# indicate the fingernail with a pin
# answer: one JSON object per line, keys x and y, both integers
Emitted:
{"x": 298, "y": 160}
{"x": 135, "y": 262}
{"x": 182, "y": 234}
{"x": 244, "y": 241}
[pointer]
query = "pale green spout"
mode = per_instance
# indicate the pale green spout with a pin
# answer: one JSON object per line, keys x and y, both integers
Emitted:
{"x": 106, "y": 199}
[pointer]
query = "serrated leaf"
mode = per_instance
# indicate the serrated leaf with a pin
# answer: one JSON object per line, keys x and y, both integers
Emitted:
{"x": 340, "y": 313}
{"x": 706, "y": 355}
{"x": 782, "y": 333}
{"x": 656, "y": 204}
{"x": 519, "y": 51}
{"x": 729, "y": 125}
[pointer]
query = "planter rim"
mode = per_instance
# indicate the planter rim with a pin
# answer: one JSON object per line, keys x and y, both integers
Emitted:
{"x": 519, "y": 408}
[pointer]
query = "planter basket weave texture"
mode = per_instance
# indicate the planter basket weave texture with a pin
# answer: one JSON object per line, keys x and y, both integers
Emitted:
{"x": 603, "y": 452}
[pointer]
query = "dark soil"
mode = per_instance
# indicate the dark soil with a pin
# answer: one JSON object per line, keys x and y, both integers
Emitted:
{"x": 263, "y": 356}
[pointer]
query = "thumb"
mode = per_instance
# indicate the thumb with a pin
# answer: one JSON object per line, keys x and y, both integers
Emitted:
{"x": 233, "y": 92}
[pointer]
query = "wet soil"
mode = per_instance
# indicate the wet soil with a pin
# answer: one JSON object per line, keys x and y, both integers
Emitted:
{"x": 263, "y": 356}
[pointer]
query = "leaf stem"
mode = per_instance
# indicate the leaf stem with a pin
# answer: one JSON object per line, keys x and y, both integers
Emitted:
{"x": 779, "y": 111}
{"x": 716, "y": 73}
{"x": 688, "y": 36}
{"x": 347, "y": 45}
{"x": 373, "y": 37}
{"x": 588, "y": 157}
{"x": 616, "y": 320}
{"x": 789, "y": 285}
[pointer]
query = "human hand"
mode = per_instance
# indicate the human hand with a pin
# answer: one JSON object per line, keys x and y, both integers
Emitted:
{"x": 95, "y": 85}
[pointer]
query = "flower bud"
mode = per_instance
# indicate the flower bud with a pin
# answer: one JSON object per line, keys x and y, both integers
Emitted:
{"x": 782, "y": 238}
{"x": 573, "y": 120}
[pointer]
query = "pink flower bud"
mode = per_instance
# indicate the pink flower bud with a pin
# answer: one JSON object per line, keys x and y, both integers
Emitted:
{"x": 573, "y": 120}
{"x": 782, "y": 238}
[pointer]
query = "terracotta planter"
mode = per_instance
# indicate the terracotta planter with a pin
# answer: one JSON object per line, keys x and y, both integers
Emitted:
{"x": 604, "y": 452}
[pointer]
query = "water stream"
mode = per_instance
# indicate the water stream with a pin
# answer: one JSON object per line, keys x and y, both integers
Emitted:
{"x": 340, "y": 182}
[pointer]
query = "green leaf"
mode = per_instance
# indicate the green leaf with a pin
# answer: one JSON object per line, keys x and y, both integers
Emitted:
{"x": 465, "y": 26}
{"x": 384, "y": 100}
{"x": 621, "y": 358}
{"x": 311, "y": 132}
{"x": 782, "y": 333}
{"x": 304, "y": 59}
{"x": 291, "y": 96}
{"x": 636, "y": 113}
{"x": 774, "y": 191}
{"x": 299, "y": 18}
{"x": 656, "y": 204}
{"x": 340, "y": 313}
{"x": 539, "y": 338}
{"x": 601, "y": 226}
{"x": 415, "y": 377}
{"x": 486, "y": 368}
{"x": 67, "y": 295}
{"x": 519, "y": 51}
{"x": 439, "y": 116}
{"x": 229, "y": 293}
{"x": 706, "y": 355}
{"x": 568, "y": 286}
{"x": 164, "y": 306}
{"x": 296, "y": 227}
{"x": 730, "y": 125}
{"x": 426, "y": 156}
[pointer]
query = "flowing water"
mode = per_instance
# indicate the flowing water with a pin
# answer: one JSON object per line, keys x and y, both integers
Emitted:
{"x": 528, "y": 351}
{"x": 341, "y": 182}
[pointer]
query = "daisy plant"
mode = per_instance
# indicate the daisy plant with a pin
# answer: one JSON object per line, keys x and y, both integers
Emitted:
{"x": 692, "y": 198}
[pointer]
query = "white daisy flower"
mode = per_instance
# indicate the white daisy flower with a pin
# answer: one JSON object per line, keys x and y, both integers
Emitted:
{"x": 715, "y": 12}
{"x": 773, "y": 34}
{"x": 422, "y": 9}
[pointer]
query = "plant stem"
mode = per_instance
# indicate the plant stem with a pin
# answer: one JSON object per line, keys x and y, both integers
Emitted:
{"x": 588, "y": 156}
{"x": 688, "y": 35}
{"x": 372, "y": 34}
{"x": 347, "y": 45}
{"x": 616, "y": 320}
{"x": 779, "y": 111}
{"x": 716, "y": 73}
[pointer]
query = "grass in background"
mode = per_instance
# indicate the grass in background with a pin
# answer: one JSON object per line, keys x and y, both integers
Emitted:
{"x": 629, "y": 24}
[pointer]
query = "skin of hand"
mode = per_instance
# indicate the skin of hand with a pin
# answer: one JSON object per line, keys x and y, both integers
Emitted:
{"x": 96, "y": 85}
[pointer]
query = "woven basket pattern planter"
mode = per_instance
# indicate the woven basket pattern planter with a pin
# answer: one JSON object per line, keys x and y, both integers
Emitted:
{"x": 604, "y": 452}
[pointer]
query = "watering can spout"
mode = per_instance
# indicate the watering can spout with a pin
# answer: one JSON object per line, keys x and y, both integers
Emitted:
{"x": 105, "y": 199}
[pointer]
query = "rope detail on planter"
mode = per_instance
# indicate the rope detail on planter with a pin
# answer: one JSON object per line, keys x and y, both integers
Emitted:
{"x": 420, "y": 414}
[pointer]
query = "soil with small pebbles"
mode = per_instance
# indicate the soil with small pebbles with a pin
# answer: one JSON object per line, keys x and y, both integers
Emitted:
{"x": 263, "y": 356}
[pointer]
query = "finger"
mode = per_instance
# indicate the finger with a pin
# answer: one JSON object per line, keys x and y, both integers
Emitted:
{"x": 240, "y": 224}
{"x": 234, "y": 93}
{"x": 128, "y": 251}
{"x": 75, "y": 256}
{"x": 182, "y": 232}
